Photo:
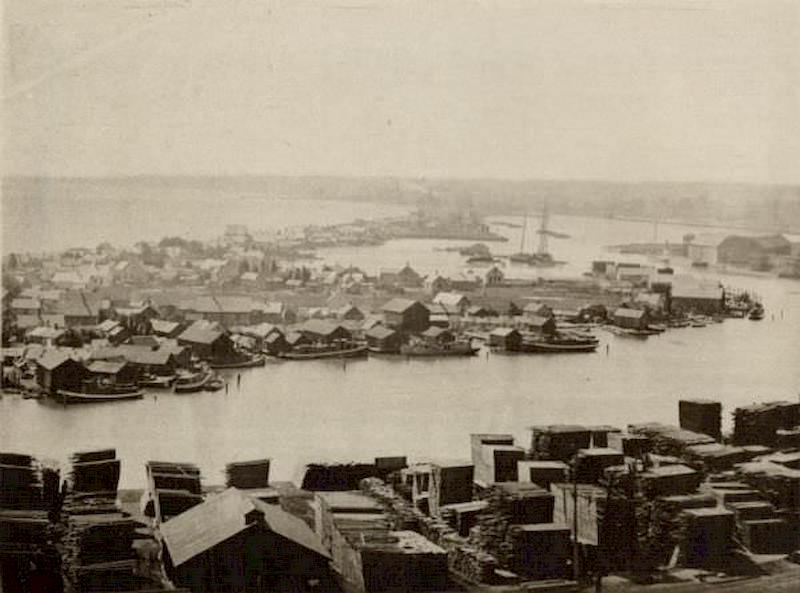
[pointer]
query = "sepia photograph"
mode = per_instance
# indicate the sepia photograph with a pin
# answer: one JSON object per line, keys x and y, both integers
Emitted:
{"x": 400, "y": 296}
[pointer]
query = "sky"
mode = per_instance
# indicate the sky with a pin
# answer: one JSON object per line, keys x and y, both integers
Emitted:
{"x": 622, "y": 90}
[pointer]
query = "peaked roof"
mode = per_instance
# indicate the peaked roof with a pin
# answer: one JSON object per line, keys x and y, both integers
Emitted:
{"x": 225, "y": 515}
{"x": 449, "y": 298}
{"x": 200, "y": 335}
{"x": 379, "y": 332}
{"x": 52, "y": 359}
{"x": 399, "y": 305}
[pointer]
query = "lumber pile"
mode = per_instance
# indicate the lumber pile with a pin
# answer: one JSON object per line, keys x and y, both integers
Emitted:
{"x": 97, "y": 539}
{"x": 590, "y": 463}
{"x": 511, "y": 503}
{"x": 450, "y": 483}
{"x": 540, "y": 551}
{"x": 758, "y": 424}
{"x": 665, "y": 530}
{"x": 701, "y": 415}
{"x": 707, "y": 537}
{"x": 172, "y": 488}
{"x": 777, "y": 483}
{"x": 248, "y": 474}
{"x": 542, "y": 473}
{"x": 559, "y": 441}
{"x": 670, "y": 440}
{"x": 787, "y": 438}
{"x": 27, "y": 484}
{"x": 631, "y": 445}
{"x": 715, "y": 457}
{"x": 341, "y": 476}
{"x": 670, "y": 480}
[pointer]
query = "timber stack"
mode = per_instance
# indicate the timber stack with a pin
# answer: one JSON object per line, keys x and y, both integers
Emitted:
{"x": 248, "y": 474}
{"x": 759, "y": 424}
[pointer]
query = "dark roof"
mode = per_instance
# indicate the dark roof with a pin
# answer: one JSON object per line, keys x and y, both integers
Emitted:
{"x": 200, "y": 335}
{"x": 319, "y": 327}
{"x": 223, "y": 516}
{"x": 399, "y": 305}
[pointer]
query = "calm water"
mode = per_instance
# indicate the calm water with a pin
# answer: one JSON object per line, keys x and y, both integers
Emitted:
{"x": 297, "y": 412}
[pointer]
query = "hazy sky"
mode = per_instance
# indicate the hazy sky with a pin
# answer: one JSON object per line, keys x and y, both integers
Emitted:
{"x": 617, "y": 89}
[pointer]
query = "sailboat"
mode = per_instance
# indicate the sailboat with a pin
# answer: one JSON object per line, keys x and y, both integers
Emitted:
{"x": 542, "y": 257}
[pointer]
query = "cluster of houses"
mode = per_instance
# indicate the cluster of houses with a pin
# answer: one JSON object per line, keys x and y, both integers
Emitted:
{"x": 779, "y": 253}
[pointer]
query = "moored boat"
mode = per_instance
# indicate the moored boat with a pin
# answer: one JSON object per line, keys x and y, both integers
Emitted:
{"x": 192, "y": 382}
{"x": 457, "y": 348}
{"x": 256, "y": 360}
{"x": 317, "y": 353}
{"x": 157, "y": 381}
{"x": 565, "y": 343}
{"x": 80, "y": 397}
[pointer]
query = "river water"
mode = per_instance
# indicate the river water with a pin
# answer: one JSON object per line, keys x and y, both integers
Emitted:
{"x": 296, "y": 412}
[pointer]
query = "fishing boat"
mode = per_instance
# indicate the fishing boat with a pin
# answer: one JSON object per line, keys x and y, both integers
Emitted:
{"x": 255, "y": 360}
{"x": 156, "y": 381}
{"x": 323, "y": 352}
{"x": 562, "y": 342}
{"x": 456, "y": 348}
{"x": 81, "y": 397}
{"x": 100, "y": 391}
{"x": 193, "y": 381}
{"x": 214, "y": 384}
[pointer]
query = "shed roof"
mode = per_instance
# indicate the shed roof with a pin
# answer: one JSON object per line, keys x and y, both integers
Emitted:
{"x": 629, "y": 313}
{"x": 380, "y": 332}
{"x": 200, "y": 335}
{"x": 52, "y": 359}
{"x": 160, "y": 326}
{"x": 106, "y": 367}
{"x": 223, "y": 516}
{"x": 399, "y": 305}
{"x": 452, "y": 299}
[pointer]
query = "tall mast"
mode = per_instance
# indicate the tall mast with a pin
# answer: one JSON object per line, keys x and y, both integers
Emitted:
{"x": 524, "y": 228}
{"x": 543, "y": 231}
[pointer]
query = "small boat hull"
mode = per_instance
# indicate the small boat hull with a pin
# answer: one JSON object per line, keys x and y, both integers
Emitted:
{"x": 193, "y": 386}
{"x": 256, "y": 361}
{"x": 558, "y": 348}
{"x": 443, "y": 351}
{"x": 157, "y": 382}
{"x": 356, "y": 352}
{"x": 78, "y": 397}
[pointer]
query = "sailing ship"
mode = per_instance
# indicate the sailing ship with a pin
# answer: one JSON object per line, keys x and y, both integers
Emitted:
{"x": 430, "y": 348}
{"x": 100, "y": 391}
{"x": 541, "y": 257}
{"x": 343, "y": 349}
{"x": 562, "y": 342}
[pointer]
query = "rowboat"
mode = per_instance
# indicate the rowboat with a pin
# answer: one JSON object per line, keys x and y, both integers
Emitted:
{"x": 193, "y": 382}
{"x": 80, "y": 397}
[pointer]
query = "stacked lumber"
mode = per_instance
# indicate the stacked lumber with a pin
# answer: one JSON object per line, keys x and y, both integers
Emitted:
{"x": 665, "y": 530}
{"x": 473, "y": 565}
{"x": 341, "y": 476}
{"x": 777, "y": 483}
{"x": 601, "y": 434}
{"x": 787, "y": 438}
{"x": 631, "y": 445}
{"x": 758, "y": 424}
{"x": 714, "y": 457}
{"x": 172, "y": 487}
{"x": 511, "y": 503}
{"x": 707, "y": 537}
{"x": 701, "y": 415}
{"x": 559, "y": 441}
{"x": 540, "y": 551}
{"x": 542, "y": 473}
{"x": 97, "y": 543}
{"x": 670, "y": 480}
{"x": 590, "y": 463}
{"x": 26, "y": 483}
{"x": 248, "y": 474}
{"x": 767, "y": 536}
{"x": 670, "y": 440}
{"x": 94, "y": 471}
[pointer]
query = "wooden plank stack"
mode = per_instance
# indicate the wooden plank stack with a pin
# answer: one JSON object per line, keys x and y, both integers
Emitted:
{"x": 701, "y": 415}
{"x": 248, "y": 474}
{"x": 559, "y": 441}
{"x": 172, "y": 487}
{"x": 97, "y": 542}
{"x": 779, "y": 484}
{"x": 670, "y": 440}
{"x": 758, "y": 424}
{"x": 707, "y": 537}
{"x": 540, "y": 551}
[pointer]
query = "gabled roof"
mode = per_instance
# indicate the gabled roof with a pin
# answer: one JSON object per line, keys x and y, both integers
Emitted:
{"x": 161, "y": 326}
{"x": 435, "y": 332}
{"x": 200, "y": 335}
{"x": 320, "y": 327}
{"x": 399, "y": 305}
{"x": 503, "y": 332}
{"x": 106, "y": 367}
{"x": 380, "y": 332}
{"x": 47, "y": 333}
{"x": 225, "y": 515}
{"x": 452, "y": 299}
{"x": 107, "y": 325}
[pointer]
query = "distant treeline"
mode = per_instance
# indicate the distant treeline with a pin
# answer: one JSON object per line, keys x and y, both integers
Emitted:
{"x": 761, "y": 207}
